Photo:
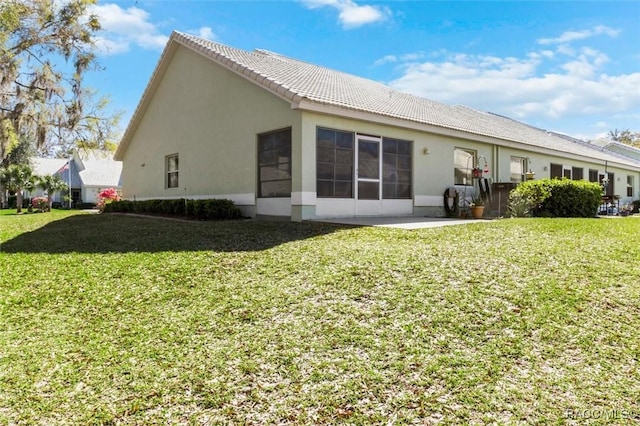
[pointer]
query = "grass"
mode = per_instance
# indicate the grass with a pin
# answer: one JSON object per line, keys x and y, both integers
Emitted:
{"x": 108, "y": 319}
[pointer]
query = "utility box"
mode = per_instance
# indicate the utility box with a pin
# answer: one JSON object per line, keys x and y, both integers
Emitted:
{"x": 500, "y": 196}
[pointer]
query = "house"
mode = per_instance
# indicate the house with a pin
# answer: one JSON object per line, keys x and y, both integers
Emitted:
{"x": 620, "y": 148}
{"x": 86, "y": 173}
{"x": 282, "y": 137}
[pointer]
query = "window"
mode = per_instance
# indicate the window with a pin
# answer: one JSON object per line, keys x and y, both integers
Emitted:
{"x": 334, "y": 163}
{"x": 556, "y": 171}
{"x": 396, "y": 168}
{"x": 171, "y": 167}
{"x": 566, "y": 173}
{"x": 518, "y": 169}
{"x": 593, "y": 175}
{"x": 629, "y": 186}
{"x": 577, "y": 173}
{"x": 463, "y": 162}
{"x": 274, "y": 164}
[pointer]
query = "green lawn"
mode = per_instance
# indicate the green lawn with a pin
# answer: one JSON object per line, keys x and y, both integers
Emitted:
{"x": 108, "y": 319}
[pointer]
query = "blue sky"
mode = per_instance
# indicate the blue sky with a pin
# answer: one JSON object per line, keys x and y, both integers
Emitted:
{"x": 566, "y": 66}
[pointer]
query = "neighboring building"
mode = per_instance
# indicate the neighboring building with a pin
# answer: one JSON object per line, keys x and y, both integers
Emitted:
{"x": 620, "y": 148}
{"x": 87, "y": 172}
{"x": 281, "y": 137}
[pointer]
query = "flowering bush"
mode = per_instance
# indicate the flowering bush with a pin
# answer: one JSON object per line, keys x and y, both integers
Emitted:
{"x": 107, "y": 196}
{"x": 40, "y": 204}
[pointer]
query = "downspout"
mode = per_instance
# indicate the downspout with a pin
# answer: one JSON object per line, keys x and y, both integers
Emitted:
{"x": 496, "y": 159}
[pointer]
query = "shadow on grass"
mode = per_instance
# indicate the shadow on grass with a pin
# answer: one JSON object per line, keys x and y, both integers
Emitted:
{"x": 108, "y": 233}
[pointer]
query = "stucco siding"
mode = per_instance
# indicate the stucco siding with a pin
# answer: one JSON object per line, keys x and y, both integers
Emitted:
{"x": 210, "y": 117}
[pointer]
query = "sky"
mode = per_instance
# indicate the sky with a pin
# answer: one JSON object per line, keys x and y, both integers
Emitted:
{"x": 567, "y": 66}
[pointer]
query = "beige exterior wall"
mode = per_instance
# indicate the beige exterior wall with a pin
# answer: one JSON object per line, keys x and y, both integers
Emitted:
{"x": 210, "y": 117}
{"x": 541, "y": 165}
{"x": 433, "y": 157}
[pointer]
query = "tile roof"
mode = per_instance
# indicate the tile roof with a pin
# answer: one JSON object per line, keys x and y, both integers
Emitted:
{"x": 47, "y": 166}
{"x": 89, "y": 168}
{"x": 102, "y": 173}
{"x": 299, "y": 81}
{"x": 100, "y": 169}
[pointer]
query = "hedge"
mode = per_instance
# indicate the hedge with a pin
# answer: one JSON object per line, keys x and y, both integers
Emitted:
{"x": 557, "y": 198}
{"x": 191, "y": 209}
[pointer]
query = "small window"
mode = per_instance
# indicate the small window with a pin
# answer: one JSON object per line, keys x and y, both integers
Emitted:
{"x": 172, "y": 167}
{"x": 577, "y": 173}
{"x": 593, "y": 175}
{"x": 334, "y": 163}
{"x": 463, "y": 163}
{"x": 396, "y": 168}
{"x": 274, "y": 164}
{"x": 629, "y": 186}
{"x": 518, "y": 169}
{"x": 556, "y": 171}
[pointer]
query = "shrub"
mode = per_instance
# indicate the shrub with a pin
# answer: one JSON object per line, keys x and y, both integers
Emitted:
{"x": 107, "y": 196}
{"x": 192, "y": 209}
{"x": 556, "y": 198}
{"x": 40, "y": 204}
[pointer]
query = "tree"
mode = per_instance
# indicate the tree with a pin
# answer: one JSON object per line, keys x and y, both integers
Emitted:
{"x": 51, "y": 184}
{"x": 16, "y": 178}
{"x": 46, "y": 46}
{"x": 625, "y": 136}
{"x": 21, "y": 154}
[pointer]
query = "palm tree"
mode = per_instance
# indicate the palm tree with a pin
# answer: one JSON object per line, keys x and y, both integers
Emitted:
{"x": 51, "y": 184}
{"x": 16, "y": 178}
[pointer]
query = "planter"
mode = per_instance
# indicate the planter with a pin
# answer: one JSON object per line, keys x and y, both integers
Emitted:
{"x": 477, "y": 212}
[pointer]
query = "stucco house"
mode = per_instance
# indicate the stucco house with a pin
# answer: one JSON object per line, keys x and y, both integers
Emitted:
{"x": 282, "y": 137}
{"x": 87, "y": 172}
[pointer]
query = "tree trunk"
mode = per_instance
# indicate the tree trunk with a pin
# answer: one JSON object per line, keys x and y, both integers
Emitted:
{"x": 19, "y": 201}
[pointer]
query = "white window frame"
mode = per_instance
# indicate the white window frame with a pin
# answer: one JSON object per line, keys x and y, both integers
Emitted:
{"x": 467, "y": 179}
{"x": 524, "y": 168}
{"x": 169, "y": 171}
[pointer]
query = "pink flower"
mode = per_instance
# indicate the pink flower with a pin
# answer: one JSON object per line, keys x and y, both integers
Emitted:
{"x": 106, "y": 196}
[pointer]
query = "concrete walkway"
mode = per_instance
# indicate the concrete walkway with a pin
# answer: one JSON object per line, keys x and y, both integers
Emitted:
{"x": 402, "y": 222}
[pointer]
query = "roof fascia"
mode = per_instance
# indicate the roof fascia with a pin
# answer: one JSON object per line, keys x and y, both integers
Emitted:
{"x": 311, "y": 106}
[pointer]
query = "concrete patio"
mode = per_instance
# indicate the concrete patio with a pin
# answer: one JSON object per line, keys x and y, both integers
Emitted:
{"x": 402, "y": 222}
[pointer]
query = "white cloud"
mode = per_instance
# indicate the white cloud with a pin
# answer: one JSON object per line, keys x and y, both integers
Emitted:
{"x": 517, "y": 86}
{"x": 386, "y": 60}
{"x": 351, "y": 15}
{"x": 569, "y": 82}
{"x": 122, "y": 28}
{"x": 409, "y": 57}
{"x": 570, "y": 36}
{"x": 206, "y": 32}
